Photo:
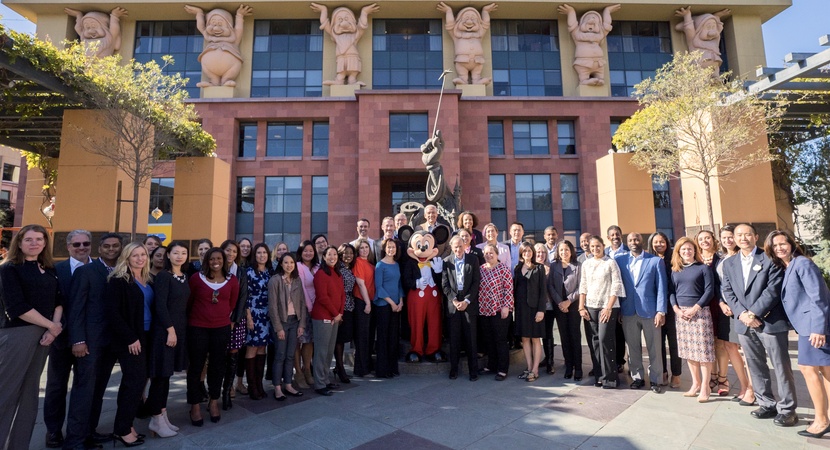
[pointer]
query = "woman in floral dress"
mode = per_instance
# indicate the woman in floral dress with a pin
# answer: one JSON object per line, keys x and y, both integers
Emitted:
{"x": 257, "y": 320}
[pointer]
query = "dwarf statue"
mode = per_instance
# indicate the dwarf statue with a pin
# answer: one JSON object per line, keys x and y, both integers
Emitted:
{"x": 703, "y": 34}
{"x": 421, "y": 278}
{"x": 467, "y": 30}
{"x": 100, "y": 33}
{"x": 345, "y": 31}
{"x": 588, "y": 34}
{"x": 221, "y": 59}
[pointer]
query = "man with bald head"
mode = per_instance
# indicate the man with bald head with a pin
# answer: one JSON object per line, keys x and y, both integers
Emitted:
{"x": 643, "y": 309}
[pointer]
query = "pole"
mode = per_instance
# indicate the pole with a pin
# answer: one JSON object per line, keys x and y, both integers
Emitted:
{"x": 440, "y": 96}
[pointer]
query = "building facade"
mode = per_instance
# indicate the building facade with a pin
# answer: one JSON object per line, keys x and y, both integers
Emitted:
{"x": 310, "y": 158}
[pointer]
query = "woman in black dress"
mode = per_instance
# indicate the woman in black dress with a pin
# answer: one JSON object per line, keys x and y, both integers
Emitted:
{"x": 168, "y": 353}
{"x": 345, "y": 332}
{"x": 32, "y": 311}
{"x": 530, "y": 296}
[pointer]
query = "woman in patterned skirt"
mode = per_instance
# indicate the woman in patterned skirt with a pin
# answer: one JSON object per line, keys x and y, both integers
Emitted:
{"x": 256, "y": 317}
{"x": 238, "y": 325}
{"x": 693, "y": 290}
{"x": 345, "y": 332}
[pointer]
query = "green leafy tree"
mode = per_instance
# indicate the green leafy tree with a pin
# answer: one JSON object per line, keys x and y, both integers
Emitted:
{"x": 144, "y": 110}
{"x": 693, "y": 122}
{"x": 809, "y": 174}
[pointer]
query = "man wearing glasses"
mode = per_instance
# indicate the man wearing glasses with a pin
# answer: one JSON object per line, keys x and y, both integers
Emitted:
{"x": 79, "y": 245}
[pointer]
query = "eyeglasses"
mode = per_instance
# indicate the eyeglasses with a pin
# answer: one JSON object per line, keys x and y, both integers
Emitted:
{"x": 79, "y": 244}
{"x": 215, "y": 297}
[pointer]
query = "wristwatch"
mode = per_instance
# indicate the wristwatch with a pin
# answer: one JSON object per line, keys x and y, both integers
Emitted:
{"x": 750, "y": 314}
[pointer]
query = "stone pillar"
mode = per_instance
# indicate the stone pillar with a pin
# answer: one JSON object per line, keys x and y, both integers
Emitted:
{"x": 201, "y": 199}
{"x": 88, "y": 183}
{"x": 625, "y": 195}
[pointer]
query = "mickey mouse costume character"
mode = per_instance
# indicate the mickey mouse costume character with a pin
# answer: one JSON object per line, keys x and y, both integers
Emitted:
{"x": 421, "y": 278}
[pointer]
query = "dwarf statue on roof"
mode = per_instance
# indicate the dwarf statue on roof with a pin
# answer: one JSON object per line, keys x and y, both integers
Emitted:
{"x": 99, "y": 32}
{"x": 345, "y": 30}
{"x": 221, "y": 59}
{"x": 703, "y": 34}
{"x": 588, "y": 34}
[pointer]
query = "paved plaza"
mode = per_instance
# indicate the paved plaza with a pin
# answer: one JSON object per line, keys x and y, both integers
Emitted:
{"x": 429, "y": 411}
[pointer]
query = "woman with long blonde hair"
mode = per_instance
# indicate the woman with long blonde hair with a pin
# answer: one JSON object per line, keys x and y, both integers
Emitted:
{"x": 131, "y": 299}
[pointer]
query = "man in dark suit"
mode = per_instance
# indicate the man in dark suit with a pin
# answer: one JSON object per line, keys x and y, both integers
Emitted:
{"x": 752, "y": 289}
{"x": 643, "y": 309}
{"x": 78, "y": 244}
{"x": 89, "y": 335}
{"x": 460, "y": 286}
{"x": 389, "y": 232}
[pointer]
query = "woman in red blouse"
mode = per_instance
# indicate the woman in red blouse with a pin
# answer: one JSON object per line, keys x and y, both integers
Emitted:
{"x": 213, "y": 296}
{"x": 495, "y": 302}
{"x": 326, "y": 316}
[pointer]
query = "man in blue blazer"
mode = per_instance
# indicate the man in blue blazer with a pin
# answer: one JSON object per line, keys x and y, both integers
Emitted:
{"x": 460, "y": 285}
{"x": 643, "y": 309}
{"x": 752, "y": 289}
{"x": 78, "y": 244}
{"x": 89, "y": 335}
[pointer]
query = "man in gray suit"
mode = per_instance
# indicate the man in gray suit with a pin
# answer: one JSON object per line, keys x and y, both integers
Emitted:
{"x": 752, "y": 289}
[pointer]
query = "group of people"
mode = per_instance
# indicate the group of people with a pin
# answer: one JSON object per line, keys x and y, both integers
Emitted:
{"x": 240, "y": 307}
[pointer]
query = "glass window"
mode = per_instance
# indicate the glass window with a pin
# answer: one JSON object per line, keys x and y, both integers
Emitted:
{"x": 244, "y": 206}
{"x": 284, "y": 139}
{"x": 498, "y": 202}
{"x": 177, "y": 38}
{"x": 495, "y": 137}
{"x": 526, "y": 58}
{"x": 320, "y": 139}
{"x": 407, "y": 54}
{"x": 247, "y": 140}
{"x": 615, "y": 125}
{"x": 533, "y": 203}
{"x": 287, "y": 59}
{"x": 283, "y": 204}
{"x": 662, "y": 207}
{"x": 407, "y": 130}
{"x": 571, "y": 217}
{"x": 566, "y": 137}
{"x": 530, "y": 138}
{"x": 11, "y": 173}
{"x": 405, "y": 193}
{"x": 161, "y": 197}
{"x": 319, "y": 205}
{"x": 635, "y": 51}
{"x": 5, "y": 199}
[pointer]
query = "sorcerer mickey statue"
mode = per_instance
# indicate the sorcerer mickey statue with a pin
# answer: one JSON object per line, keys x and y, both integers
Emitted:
{"x": 421, "y": 278}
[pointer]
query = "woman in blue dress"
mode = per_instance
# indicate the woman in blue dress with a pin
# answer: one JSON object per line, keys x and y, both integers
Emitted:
{"x": 806, "y": 300}
{"x": 258, "y": 322}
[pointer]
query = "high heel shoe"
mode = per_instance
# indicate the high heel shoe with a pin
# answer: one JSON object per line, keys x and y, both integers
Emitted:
{"x": 116, "y": 438}
{"x": 158, "y": 427}
{"x": 818, "y": 435}
{"x": 196, "y": 423}
{"x": 723, "y": 386}
{"x": 167, "y": 420}
{"x": 211, "y": 405}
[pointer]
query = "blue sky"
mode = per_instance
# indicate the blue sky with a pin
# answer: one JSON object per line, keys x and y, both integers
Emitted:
{"x": 797, "y": 29}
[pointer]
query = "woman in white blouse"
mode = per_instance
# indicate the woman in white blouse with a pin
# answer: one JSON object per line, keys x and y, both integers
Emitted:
{"x": 599, "y": 287}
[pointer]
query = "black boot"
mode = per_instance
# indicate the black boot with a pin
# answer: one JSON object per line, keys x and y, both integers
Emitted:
{"x": 260, "y": 373}
{"x": 227, "y": 382}
{"x": 250, "y": 371}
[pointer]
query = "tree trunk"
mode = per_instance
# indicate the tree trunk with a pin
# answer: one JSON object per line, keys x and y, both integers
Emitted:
{"x": 135, "y": 208}
{"x": 709, "y": 210}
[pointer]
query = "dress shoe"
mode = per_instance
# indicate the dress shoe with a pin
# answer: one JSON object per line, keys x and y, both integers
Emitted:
{"x": 637, "y": 384}
{"x": 764, "y": 413}
{"x": 453, "y": 374}
{"x": 569, "y": 373}
{"x": 100, "y": 438}
{"x": 473, "y": 377}
{"x": 89, "y": 444}
{"x": 656, "y": 389}
{"x": 818, "y": 435}
{"x": 120, "y": 439}
{"x": 786, "y": 420}
{"x": 332, "y": 386}
{"x": 577, "y": 375}
{"x": 500, "y": 377}
{"x": 323, "y": 391}
{"x": 745, "y": 403}
{"x": 54, "y": 440}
